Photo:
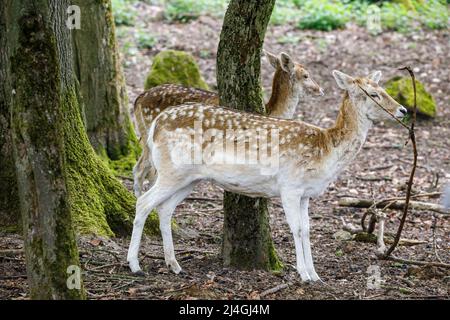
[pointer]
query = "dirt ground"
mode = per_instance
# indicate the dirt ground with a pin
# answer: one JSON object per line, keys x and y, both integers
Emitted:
{"x": 379, "y": 171}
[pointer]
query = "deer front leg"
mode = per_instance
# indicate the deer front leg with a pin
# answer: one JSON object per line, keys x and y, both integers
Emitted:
{"x": 305, "y": 226}
{"x": 291, "y": 206}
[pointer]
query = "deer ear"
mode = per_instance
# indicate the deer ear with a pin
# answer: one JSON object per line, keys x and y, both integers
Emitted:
{"x": 343, "y": 80}
{"x": 286, "y": 62}
{"x": 375, "y": 76}
{"x": 273, "y": 59}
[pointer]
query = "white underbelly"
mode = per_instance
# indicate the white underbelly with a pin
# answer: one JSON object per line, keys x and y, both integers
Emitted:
{"x": 247, "y": 181}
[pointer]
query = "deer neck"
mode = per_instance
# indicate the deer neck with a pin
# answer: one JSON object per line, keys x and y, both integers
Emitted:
{"x": 349, "y": 133}
{"x": 284, "y": 100}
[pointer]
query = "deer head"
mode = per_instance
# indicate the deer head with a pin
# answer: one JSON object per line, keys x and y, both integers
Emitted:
{"x": 357, "y": 89}
{"x": 293, "y": 75}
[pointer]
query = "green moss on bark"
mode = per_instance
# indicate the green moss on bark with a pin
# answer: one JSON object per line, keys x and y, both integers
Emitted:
{"x": 103, "y": 88}
{"x": 40, "y": 82}
{"x": 9, "y": 201}
{"x": 176, "y": 67}
{"x": 401, "y": 89}
{"x": 100, "y": 203}
{"x": 123, "y": 166}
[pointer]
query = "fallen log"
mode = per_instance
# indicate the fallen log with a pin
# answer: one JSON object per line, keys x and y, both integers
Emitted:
{"x": 392, "y": 204}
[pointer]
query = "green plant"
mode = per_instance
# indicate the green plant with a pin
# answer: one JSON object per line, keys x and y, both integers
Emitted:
{"x": 323, "y": 15}
{"x": 145, "y": 40}
{"x": 124, "y": 12}
{"x": 285, "y": 13}
{"x": 433, "y": 14}
{"x": 187, "y": 10}
{"x": 289, "y": 39}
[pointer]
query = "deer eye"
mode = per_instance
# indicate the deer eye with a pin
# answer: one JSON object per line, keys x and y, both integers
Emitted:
{"x": 375, "y": 95}
{"x": 306, "y": 76}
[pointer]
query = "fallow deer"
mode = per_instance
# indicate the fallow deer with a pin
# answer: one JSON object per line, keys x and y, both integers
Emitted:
{"x": 291, "y": 82}
{"x": 310, "y": 158}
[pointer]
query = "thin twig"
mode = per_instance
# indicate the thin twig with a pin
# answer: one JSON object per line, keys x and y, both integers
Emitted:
{"x": 412, "y": 136}
{"x": 274, "y": 289}
{"x": 419, "y": 263}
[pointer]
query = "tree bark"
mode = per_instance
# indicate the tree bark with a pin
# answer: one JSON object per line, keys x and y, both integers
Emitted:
{"x": 247, "y": 243}
{"x": 41, "y": 92}
{"x": 9, "y": 200}
{"x": 98, "y": 201}
{"x": 102, "y": 85}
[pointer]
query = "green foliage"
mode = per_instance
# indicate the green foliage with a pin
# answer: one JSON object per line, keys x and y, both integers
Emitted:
{"x": 285, "y": 11}
{"x": 124, "y": 12}
{"x": 400, "y": 88}
{"x": 187, "y": 10}
{"x": 145, "y": 40}
{"x": 178, "y": 67}
{"x": 399, "y": 16}
{"x": 323, "y": 15}
{"x": 433, "y": 14}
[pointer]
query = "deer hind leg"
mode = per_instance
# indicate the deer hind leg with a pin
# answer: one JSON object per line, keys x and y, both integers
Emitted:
{"x": 141, "y": 170}
{"x": 145, "y": 204}
{"x": 305, "y": 226}
{"x": 291, "y": 206}
{"x": 165, "y": 212}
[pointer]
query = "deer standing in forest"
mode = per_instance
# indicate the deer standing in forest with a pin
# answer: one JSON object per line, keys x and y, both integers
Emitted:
{"x": 309, "y": 159}
{"x": 291, "y": 82}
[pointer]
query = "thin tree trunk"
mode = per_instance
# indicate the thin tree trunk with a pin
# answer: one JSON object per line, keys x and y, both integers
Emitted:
{"x": 247, "y": 243}
{"x": 102, "y": 85}
{"x": 43, "y": 92}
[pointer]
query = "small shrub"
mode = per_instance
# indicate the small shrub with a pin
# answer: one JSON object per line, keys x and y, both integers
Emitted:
{"x": 433, "y": 14}
{"x": 284, "y": 13}
{"x": 188, "y": 10}
{"x": 145, "y": 40}
{"x": 124, "y": 12}
{"x": 323, "y": 15}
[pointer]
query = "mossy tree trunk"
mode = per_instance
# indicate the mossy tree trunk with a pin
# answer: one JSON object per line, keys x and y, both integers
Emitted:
{"x": 44, "y": 88}
{"x": 102, "y": 85}
{"x": 247, "y": 243}
{"x": 41, "y": 92}
{"x": 9, "y": 201}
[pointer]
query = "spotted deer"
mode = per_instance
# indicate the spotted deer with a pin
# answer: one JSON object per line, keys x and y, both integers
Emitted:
{"x": 291, "y": 82}
{"x": 309, "y": 159}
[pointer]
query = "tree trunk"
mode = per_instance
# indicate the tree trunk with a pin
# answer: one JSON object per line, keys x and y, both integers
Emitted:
{"x": 247, "y": 243}
{"x": 98, "y": 201}
{"x": 9, "y": 201}
{"x": 42, "y": 91}
{"x": 102, "y": 85}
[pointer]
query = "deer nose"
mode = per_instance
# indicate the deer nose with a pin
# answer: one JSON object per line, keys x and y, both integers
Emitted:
{"x": 403, "y": 110}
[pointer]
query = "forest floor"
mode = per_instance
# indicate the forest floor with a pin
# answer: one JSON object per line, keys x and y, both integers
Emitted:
{"x": 380, "y": 171}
